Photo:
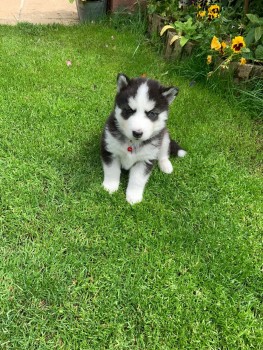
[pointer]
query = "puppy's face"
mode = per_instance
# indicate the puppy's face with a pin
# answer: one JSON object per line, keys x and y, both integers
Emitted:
{"x": 141, "y": 107}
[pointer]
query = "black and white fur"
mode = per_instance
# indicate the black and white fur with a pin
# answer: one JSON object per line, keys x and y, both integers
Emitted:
{"x": 135, "y": 135}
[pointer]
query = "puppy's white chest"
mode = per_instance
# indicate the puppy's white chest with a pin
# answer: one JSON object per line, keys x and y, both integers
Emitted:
{"x": 135, "y": 154}
{"x": 130, "y": 153}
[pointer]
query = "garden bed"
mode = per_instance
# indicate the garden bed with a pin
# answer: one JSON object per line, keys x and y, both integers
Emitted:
{"x": 155, "y": 24}
{"x": 246, "y": 71}
{"x": 177, "y": 52}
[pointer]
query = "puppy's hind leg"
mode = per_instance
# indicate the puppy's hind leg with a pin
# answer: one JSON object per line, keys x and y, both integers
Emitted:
{"x": 169, "y": 147}
{"x": 163, "y": 160}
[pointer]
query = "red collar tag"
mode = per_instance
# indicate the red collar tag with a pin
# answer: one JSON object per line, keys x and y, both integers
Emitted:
{"x": 129, "y": 149}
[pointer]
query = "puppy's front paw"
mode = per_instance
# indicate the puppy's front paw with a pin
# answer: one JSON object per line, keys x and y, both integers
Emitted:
{"x": 111, "y": 186}
{"x": 133, "y": 197}
{"x": 166, "y": 166}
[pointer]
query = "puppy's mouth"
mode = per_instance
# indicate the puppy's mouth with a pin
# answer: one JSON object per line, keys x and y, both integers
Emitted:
{"x": 137, "y": 139}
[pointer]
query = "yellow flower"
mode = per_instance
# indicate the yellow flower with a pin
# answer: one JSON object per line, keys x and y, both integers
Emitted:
{"x": 214, "y": 9}
{"x": 242, "y": 61}
{"x": 223, "y": 45}
{"x": 209, "y": 59}
{"x": 215, "y": 44}
{"x": 212, "y": 15}
{"x": 237, "y": 43}
{"x": 201, "y": 14}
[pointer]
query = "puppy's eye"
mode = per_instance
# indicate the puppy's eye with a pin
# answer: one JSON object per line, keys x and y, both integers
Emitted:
{"x": 152, "y": 115}
{"x": 127, "y": 112}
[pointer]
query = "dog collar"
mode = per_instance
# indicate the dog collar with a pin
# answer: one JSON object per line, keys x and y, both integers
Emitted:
{"x": 132, "y": 147}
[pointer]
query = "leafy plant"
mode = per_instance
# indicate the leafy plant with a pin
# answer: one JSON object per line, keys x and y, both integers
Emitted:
{"x": 227, "y": 52}
{"x": 165, "y": 8}
{"x": 185, "y": 31}
{"x": 254, "y": 37}
{"x": 200, "y": 21}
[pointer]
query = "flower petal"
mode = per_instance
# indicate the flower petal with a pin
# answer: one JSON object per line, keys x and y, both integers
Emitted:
{"x": 215, "y": 44}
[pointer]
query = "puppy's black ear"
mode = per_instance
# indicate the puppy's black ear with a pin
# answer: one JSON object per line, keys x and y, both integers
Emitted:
{"x": 122, "y": 81}
{"x": 170, "y": 93}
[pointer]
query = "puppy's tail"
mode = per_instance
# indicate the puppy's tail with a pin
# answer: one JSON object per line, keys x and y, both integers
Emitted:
{"x": 176, "y": 150}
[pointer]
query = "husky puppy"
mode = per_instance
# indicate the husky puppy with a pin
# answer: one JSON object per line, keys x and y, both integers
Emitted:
{"x": 135, "y": 135}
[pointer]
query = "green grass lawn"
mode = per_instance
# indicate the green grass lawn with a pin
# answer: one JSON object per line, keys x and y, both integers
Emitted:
{"x": 80, "y": 269}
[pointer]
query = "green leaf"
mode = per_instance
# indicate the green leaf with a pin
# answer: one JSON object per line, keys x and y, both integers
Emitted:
{"x": 259, "y": 52}
{"x": 253, "y": 18}
{"x": 250, "y": 36}
{"x": 183, "y": 41}
{"x": 179, "y": 26}
{"x": 198, "y": 36}
{"x": 245, "y": 49}
{"x": 248, "y": 55}
{"x": 258, "y": 33}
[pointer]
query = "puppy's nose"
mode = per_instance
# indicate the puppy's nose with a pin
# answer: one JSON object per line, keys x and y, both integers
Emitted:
{"x": 137, "y": 134}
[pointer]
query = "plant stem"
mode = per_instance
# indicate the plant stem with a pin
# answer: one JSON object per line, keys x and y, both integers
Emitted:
{"x": 246, "y": 6}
